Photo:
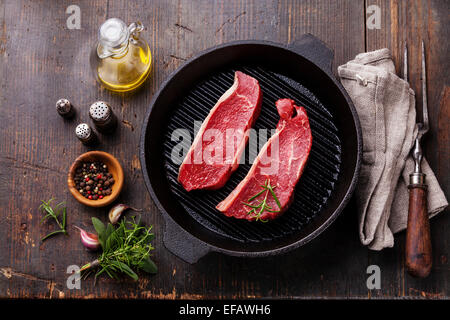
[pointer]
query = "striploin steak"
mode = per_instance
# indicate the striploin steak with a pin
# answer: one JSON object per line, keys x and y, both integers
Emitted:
{"x": 268, "y": 189}
{"x": 222, "y": 137}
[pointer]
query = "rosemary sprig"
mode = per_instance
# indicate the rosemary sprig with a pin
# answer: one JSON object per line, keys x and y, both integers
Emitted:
{"x": 54, "y": 213}
{"x": 262, "y": 206}
{"x": 125, "y": 247}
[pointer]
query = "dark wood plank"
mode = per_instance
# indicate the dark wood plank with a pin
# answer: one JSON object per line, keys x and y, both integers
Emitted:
{"x": 410, "y": 22}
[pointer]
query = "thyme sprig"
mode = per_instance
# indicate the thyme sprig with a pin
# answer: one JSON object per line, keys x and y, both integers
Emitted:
{"x": 125, "y": 247}
{"x": 259, "y": 208}
{"x": 54, "y": 213}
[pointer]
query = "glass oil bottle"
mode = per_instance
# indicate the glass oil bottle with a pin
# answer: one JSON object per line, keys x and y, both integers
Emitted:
{"x": 121, "y": 60}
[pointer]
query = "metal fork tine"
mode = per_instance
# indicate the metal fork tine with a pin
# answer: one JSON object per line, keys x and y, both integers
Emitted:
{"x": 405, "y": 63}
{"x": 424, "y": 93}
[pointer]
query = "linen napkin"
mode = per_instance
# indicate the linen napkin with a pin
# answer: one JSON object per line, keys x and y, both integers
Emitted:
{"x": 386, "y": 108}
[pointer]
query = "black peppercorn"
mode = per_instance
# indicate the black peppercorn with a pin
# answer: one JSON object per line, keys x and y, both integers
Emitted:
{"x": 90, "y": 172}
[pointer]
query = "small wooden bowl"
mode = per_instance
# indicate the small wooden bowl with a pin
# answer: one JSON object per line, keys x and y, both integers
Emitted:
{"x": 114, "y": 168}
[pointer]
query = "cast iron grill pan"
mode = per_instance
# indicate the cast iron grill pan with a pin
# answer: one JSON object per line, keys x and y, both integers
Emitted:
{"x": 300, "y": 71}
{"x": 316, "y": 184}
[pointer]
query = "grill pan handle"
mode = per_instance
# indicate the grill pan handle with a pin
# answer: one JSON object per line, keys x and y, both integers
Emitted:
{"x": 181, "y": 243}
{"x": 315, "y": 50}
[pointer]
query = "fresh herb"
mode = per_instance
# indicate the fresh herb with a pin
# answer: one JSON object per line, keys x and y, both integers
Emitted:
{"x": 125, "y": 247}
{"x": 54, "y": 213}
{"x": 259, "y": 208}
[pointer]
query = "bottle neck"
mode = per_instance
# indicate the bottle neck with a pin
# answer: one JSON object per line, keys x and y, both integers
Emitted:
{"x": 115, "y": 36}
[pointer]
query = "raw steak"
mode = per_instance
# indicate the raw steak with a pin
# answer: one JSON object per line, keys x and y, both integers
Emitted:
{"x": 222, "y": 137}
{"x": 279, "y": 164}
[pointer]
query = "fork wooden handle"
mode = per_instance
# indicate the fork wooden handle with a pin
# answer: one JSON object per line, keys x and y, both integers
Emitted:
{"x": 418, "y": 239}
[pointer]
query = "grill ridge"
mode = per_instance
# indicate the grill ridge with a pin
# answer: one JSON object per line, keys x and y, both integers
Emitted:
{"x": 315, "y": 186}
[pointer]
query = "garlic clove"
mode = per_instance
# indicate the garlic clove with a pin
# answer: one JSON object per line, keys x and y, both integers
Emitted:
{"x": 89, "y": 240}
{"x": 116, "y": 212}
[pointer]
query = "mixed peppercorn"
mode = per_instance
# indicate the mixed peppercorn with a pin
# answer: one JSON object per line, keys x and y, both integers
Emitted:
{"x": 93, "y": 180}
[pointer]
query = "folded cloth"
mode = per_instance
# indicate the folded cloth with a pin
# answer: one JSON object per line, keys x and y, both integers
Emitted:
{"x": 386, "y": 108}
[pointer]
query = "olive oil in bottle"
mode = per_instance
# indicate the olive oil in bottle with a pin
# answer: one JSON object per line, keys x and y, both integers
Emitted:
{"x": 121, "y": 60}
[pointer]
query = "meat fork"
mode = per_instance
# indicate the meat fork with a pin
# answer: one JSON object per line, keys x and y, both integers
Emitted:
{"x": 418, "y": 239}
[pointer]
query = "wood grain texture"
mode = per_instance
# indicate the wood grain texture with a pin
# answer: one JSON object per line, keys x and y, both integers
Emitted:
{"x": 42, "y": 61}
{"x": 410, "y": 22}
{"x": 443, "y": 135}
{"x": 418, "y": 253}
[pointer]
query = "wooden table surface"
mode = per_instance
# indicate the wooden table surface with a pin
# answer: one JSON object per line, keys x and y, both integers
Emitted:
{"x": 42, "y": 61}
